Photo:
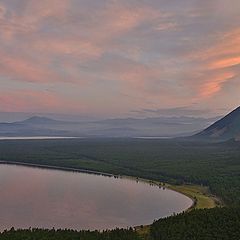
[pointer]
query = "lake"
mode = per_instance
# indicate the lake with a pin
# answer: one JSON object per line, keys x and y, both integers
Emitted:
{"x": 44, "y": 198}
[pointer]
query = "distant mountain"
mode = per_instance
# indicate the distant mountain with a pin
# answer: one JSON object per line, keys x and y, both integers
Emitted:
{"x": 39, "y": 120}
{"x": 125, "y": 127}
{"x": 20, "y": 116}
{"x": 225, "y": 129}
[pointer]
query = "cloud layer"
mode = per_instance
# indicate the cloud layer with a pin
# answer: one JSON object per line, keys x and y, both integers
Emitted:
{"x": 112, "y": 57}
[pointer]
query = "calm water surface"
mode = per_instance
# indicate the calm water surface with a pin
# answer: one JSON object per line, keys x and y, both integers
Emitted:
{"x": 34, "y": 197}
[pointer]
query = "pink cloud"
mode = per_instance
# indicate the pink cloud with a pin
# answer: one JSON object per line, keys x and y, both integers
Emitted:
{"x": 226, "y": 45}
{"x": 25, "y": 100}
{"x": 137, "y": 49}
{"x": 225, "y": 62}
{"x": 24, "y": 69}
{"x": 82, "y": 49}
{"x": 214, "y": 66}
{"x": 36, "y": 101}
{"x": 214, "y": 85}
{"x": 38, "y": 52}
{"x": 30, "y": 19}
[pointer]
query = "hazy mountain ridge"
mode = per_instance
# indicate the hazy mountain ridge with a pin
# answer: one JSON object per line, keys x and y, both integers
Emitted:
{"x": 125, "y": 127}
{"x": 39, "y": 120}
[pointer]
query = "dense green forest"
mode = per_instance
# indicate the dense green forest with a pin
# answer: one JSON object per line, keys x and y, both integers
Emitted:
{"x": 216, "y": 165}
{"x": 207, "y": 224}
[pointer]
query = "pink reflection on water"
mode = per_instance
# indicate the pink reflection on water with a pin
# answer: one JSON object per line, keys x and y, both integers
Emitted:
{"x": 33, "y": 197}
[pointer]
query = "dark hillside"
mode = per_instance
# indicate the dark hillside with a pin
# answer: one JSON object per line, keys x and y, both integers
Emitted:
{"x": 224, "y": 129}
{"x": 207, "y": 224}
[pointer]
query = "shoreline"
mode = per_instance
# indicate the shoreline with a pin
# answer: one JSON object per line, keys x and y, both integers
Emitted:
{"x": 147, "y": 181}
{"x": 81, "y": 170}
{"x": 69, "y": 169}
{"x": 156, "y": 183}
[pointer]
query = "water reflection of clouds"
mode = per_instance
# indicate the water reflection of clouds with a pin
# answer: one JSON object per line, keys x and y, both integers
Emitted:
{"x": 51, "y": 198}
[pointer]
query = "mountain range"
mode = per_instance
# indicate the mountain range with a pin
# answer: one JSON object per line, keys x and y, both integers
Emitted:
{"x": 125, "y": 127}
{"x": 224, "y": 129}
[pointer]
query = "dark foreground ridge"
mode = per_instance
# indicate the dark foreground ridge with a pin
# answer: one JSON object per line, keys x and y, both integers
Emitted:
{"x": 216, "y": 223}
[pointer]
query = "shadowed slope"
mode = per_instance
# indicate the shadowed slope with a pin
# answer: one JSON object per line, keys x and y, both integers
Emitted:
{"x": 224, "y": 129}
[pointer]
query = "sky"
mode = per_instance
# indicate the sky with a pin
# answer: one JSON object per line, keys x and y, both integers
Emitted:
{"x": 120, "y": 58}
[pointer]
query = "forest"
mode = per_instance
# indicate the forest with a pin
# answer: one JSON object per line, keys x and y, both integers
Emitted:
{"x": 216, "y": 165}
{"x": 41, "y": 234}
{"x": 204, "y": 224}
{"x": 207, "y": 224}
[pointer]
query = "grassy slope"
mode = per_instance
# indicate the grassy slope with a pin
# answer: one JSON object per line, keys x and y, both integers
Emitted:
{"x": 204, "y": 199}
{"x": 201, "y": 195}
